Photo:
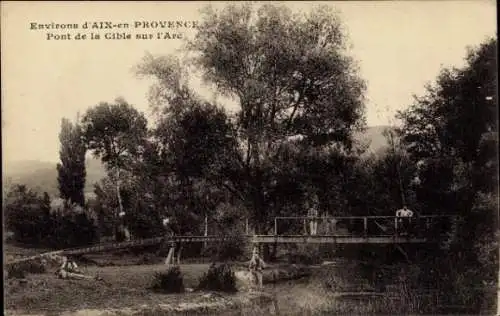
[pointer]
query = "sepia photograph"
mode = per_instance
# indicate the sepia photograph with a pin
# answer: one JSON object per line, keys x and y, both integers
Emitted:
{"x": 250, "y": 158}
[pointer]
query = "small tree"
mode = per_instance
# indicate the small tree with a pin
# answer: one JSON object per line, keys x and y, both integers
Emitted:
{"x": 71, "y": 170}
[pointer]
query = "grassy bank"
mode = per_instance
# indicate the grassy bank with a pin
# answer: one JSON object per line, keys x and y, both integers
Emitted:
{"x": 124, "y": 288}
{"x": 345, "y": 287}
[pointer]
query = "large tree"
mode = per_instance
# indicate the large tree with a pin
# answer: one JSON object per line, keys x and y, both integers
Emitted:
{"x": 289, "y": 75}
{"x": 451, "y": 136}
{"x": 116, "y": 133}
{"x": 71, "y": 171}
{"x": 451, "y": 132}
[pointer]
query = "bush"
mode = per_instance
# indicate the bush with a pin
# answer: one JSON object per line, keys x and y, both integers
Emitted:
{"x": 27, "y": 214}
{"x": 34, "y": 221}
{"x": 218, "y": 278}
{"x": 72, "y": 229}
{"x": 168, "y": 282}
{"x": 20, "y": 269}
{"x": 15, "y": 272}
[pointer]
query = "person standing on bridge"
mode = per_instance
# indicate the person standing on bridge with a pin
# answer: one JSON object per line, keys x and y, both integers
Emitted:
{"x": 403, "y": 220}
{"x": 312, "y": 213}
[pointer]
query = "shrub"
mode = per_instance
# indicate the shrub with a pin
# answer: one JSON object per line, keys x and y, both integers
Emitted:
{"x": 72, "y": 229}
{"x": 168, "y": 282}
{"x": 33, "y": 220}
{"x": 27, "y": 214}
{"x": 15, "y": 271}
{"x": 218, "y": 278}
{"x": 20, "y": 269}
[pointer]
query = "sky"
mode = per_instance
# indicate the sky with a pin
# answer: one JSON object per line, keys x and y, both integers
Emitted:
{"x": 399, "y": 45}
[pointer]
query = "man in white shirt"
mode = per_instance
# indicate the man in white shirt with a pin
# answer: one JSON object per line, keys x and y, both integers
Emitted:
{"x": 403, "y": 220}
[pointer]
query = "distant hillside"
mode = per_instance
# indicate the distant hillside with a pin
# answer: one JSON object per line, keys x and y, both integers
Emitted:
{"x": 42, "y": 176}
{"x": 374, "y": 138}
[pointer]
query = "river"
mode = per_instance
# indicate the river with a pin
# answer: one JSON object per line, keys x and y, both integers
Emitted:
{"x": 347, "y": 288}
{"x": 330, "y": 289}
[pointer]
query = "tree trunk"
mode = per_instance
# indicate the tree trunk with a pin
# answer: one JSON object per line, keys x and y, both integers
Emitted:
{"x": 179, "y": 254}
{"x": 206, "y": 226}
{"x": 118, "y": 195}
{"x": 205, "y": 232}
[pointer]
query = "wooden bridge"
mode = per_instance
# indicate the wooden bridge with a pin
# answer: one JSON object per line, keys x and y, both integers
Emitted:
{"x": 331, "y": 230}
{"x": 359, "y": 229}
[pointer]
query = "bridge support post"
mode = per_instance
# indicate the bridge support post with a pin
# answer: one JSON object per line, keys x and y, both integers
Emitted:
{"x": 179, "y": 254}
{"x": 170, "y": 256}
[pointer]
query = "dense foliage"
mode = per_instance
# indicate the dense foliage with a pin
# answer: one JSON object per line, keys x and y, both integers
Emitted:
{"x": 451, "y": 135}
{"x": 291, "y": 95}
{"x": 34, "y": 221}
{"x": 71, "y": 171}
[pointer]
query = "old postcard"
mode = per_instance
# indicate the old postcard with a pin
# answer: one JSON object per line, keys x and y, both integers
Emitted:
{"x": 250, "y": 158}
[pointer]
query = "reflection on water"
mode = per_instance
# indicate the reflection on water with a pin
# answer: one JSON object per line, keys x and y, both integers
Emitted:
{"x": 311, "y": 296}
{"x": 344, "y": 290}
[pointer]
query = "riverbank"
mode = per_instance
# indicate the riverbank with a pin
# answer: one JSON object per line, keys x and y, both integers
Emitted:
{"x": 124, "y": 290}
{"x": 189, "y": 304}
{"x": 343, "y": 286}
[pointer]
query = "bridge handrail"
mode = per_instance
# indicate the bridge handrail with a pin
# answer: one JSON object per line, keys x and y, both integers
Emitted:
{"x": 362, "y": 217}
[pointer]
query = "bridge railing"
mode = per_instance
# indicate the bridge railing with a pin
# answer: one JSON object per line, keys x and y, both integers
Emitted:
{"x": 423, "y": 226}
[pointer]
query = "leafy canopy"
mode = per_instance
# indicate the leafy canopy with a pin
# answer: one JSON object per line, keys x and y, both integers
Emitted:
{"x": 115, "y": 132}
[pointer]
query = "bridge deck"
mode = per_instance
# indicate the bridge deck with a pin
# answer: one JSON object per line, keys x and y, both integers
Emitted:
{"x": 341, "y": 239}
{"x": 374, "y": 230}
{"x": 264, "y": 239}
